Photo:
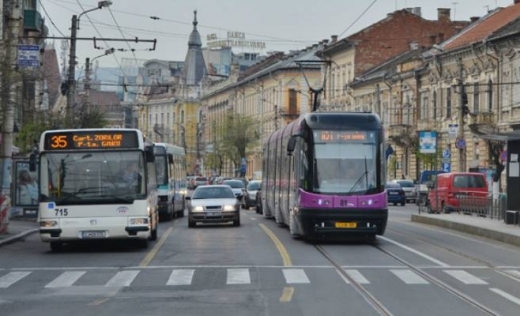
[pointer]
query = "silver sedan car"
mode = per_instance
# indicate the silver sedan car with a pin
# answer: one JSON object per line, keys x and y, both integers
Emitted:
{"x": 213, "y": 204}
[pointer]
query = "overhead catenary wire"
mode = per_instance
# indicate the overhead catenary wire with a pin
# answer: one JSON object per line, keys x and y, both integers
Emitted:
{"x": 358, "y": 18}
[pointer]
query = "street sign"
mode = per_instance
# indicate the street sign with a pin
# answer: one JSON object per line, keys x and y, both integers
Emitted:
{"x": 460, "y": 143}
{"x": 28, "y": 56}
{"x": 453, "y": 130}
{"x": 446, "y": 160}
{"x": 446, "y": 153}
{"x": 446, "y": 167}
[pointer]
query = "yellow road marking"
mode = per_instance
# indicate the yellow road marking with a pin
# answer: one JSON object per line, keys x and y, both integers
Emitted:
{"x": 287, "y": 294}
{"x": 99, "y": 301}
{"x": 281, "y": 249}
{"x": 149, "y": 257}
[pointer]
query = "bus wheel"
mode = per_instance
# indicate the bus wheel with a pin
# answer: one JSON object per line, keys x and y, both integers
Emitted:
{"x": 56, "y": 246}
{"x": 153, "y": 235}
{"x": 143, "y": 243}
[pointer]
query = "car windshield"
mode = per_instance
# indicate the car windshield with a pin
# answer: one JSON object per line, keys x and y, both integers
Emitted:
{"x": 406, "y": 183}
{"x": 252, "y": 186}
{"x": 235, "y": 184}
{"x": 213, "y": 192}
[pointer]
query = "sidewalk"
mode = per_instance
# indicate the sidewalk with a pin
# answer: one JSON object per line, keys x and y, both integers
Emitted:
{"x": 481, "y": 226}
{"x": 18, "y": 229}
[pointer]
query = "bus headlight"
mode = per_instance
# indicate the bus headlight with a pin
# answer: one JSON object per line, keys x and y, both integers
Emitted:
{"x": 198, "y": 209}
{"x": 48, "y": 224}
{"x": 138, "y": 221}
{"x": 229, "y": 208}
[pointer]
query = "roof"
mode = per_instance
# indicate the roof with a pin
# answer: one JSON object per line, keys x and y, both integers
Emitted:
{"x": 484, "y": 27}
{"x": 194, "y": 65}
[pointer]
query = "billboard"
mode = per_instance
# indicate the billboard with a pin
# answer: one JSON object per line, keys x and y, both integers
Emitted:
{"x": 427, "y": 142}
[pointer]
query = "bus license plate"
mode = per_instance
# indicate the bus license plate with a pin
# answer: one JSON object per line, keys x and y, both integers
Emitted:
{"x": 93, "y": 234}
{"x": 346, "y": 224}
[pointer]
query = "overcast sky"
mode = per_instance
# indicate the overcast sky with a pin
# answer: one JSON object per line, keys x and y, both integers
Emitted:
{"x": 281, "y": 24}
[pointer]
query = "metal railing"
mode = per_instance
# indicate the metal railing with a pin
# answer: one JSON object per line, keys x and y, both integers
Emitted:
{"x": 483, "y": 206}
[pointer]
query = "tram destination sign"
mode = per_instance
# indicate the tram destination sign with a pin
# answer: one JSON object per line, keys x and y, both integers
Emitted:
{"x": 343, "y": 136}
{"x": 61, "y": 140}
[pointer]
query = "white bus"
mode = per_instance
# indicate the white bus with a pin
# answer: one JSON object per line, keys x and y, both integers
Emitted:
{"x": 96, "y": 184}
{"x": 170, "y": 168}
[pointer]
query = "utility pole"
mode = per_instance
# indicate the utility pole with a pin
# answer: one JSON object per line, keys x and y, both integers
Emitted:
{"x": 7, "y": 88}
{"x": 461, "y": 144}
{"x": 71, "y": 79}
{"x": 87, "y": 85}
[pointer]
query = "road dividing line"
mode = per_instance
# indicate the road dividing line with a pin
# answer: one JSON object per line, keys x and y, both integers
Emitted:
{"x": 465, "y": 277}
{"x": 287, "y": 294}
{"x": 11, "y": 278}
{"x": 66, "y": 279}
{"x": 506, "y": 295}
{"x": 281, "y": 249}
{"x": 149, "y": 257}
{"x": 425, "y": 256}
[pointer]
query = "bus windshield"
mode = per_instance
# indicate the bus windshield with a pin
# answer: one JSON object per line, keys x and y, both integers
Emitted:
{"x": 345, "y": 168}
{"x": 92, "y": 178}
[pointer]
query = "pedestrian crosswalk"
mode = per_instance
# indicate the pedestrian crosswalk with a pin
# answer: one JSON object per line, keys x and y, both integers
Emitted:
{"x": 175, "y": 277}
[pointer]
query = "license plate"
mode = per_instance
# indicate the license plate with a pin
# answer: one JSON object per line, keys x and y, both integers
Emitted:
{"x": 214, "y": 214}
{"x": 346, "y": 224}
{"x": 93, "y": 234}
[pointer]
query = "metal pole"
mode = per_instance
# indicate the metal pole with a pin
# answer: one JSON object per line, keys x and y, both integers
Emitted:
{"x": 460, "y": 136}
{"x": 87, "y": 84}
{"x": 71, "y": 80}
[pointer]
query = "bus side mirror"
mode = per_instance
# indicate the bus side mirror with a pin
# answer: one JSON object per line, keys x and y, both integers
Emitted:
{"x": 149, "y": 156}
{"x": 170, "y": 158}
{"x": 291, "y": 145}
{"x": 32, "y": 162}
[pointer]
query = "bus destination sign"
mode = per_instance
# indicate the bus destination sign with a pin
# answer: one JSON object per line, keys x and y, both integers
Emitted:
{"x": 90, "y": 140}
{"x": 341, "y": 136}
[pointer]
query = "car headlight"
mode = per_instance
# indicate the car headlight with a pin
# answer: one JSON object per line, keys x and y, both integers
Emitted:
{"x": 138, "y": 221}
{"x": 197, "y": 209}
{"x": 48, "y": 224}
{"x": 229, "y": 208}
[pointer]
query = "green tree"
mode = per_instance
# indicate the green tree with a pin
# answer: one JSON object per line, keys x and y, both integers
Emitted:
{"x": 238, "y": 134}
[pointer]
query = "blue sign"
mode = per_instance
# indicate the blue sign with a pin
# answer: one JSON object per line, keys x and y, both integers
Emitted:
{"x": 243, "y": 165}
{"x": 460, "y": 143}
{"x": 428, "y": 142}
{"x": 28, "y": 56}
{"x": 446, "y": 167}
{"x": 446, "y": 153}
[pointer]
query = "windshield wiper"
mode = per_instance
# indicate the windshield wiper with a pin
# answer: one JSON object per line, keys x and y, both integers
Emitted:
{"x": 358, "y": 181}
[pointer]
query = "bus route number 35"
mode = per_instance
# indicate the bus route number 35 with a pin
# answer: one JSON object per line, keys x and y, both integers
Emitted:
{"x": 61, "y": 212}
{"x": 59, "y": 141}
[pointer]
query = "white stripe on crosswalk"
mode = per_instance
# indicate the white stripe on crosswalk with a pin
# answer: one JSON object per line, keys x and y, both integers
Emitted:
{"x": 181, "y": 277}
{"x": 514, "y": 273}
{"x": 465, "y": 277}
{"x": 357, "y": 276}
{"x": 122, "y": 278}
{"x": 295, "y": 276}
{"x": 238, "y": 276}
{"x": 408, "y": 276}
{"x": 11, "y": 278}
{"x": 66, "y": 279}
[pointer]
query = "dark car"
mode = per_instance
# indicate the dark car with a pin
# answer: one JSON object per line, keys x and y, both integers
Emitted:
{"x": 395, "y": 194}
{"x": 250, "y": 196}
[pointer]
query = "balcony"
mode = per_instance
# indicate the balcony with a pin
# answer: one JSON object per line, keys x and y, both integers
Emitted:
{"x": 426, "y": 125}
{"x": 482, "y": 118}
{"x": 402, "y": 135}
{"x": 32, "y": 21}
{"x": 398, "y": 130}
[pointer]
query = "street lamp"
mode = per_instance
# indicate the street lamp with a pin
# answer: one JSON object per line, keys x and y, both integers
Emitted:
{"x": 87, "y": 75}
{"x": 71, "y": 83}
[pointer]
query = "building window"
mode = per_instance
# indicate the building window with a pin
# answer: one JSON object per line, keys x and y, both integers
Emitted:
{"x": 434, "y": 105}
{"x": 476, "y": 97}
{"x": 182, "y": 117}
{"x": 424, "y": 110}
{"x": 490, "y": 95}
{"x": 293, "y": 101}
{"x": 448, "y": 102}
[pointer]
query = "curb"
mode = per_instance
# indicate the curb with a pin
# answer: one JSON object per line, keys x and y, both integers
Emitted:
{"x": 20, "y": 236}
{"x": 470, "y": 229}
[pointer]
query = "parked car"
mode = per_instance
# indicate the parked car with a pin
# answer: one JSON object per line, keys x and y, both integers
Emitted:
{"x": 409, "y": 189}
{"x": 395, "y": 193}
{"x": 446, "y": 191}
{"x": 427, "y": 177}
{"x": 250, "y": 195}
{"x": 237, "y": 187}
{"x": 213, "y": 204}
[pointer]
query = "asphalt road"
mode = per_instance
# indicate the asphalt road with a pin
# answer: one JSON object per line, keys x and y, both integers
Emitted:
{"x": 259, "y": 269}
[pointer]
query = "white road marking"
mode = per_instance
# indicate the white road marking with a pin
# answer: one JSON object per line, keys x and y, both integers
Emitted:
{"x": 514, "y": 273}
{"x": 506, "y": 295}
{"x": 238, "y": 276}
{"x": 66, "y": 279}
{"x": 295, "y": 276}
{"x": 425, "y": 256}
{"x": 465, "y": 277}
{"x": 357, "y": 276}
{"x": 122, "y": 278}
{"x": 409, "y": 277}
{"x": 11, "y": 278}
{"x": 181, "y": 277}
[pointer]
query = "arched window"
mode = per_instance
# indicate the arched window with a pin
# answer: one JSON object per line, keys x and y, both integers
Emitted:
{"x": 434, "y": 105}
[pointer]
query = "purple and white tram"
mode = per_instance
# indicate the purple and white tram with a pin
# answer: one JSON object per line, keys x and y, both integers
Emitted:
{"x": 324, "y": 175}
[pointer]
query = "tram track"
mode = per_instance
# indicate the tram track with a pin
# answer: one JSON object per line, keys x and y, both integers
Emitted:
{"x": 377, "y": 305}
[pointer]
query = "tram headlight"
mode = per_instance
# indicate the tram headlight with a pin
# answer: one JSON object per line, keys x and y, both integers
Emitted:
{"x": 48, "y": 224}
{"x": 136, "y": 221}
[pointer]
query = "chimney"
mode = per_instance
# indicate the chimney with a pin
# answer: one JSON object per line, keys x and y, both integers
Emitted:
{"x": 443, "y": 14}
{"x": 417, "y": 11}
{"x": 334, "y": 38}
{"x": 325, "y": 41}
{"x": 476, "y": 18}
